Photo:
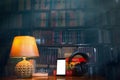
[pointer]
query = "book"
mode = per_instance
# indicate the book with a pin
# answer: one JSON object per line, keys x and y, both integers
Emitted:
{"x": 43, "y": 23}
{"x": 67, "y": 51}
{"x": 61, "y": 18}
{"x": 73, "y": 23}
{"x": 43, "y": 15}
{"x": 60, "y": 4}
{"x": 28, "y": 4}
{"x": 80, "y": 18}
{"x": 53, "y": 19}
{"x": 57, "y": 37}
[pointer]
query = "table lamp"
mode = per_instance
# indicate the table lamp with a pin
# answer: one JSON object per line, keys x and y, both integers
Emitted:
{"x": 24, "y": 47}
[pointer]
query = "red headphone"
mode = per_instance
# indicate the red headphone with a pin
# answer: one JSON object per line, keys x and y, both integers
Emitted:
{"x": 79, "y": 68}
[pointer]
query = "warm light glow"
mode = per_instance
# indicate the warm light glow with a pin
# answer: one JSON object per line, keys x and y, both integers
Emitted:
{"x": 24, "y": 46}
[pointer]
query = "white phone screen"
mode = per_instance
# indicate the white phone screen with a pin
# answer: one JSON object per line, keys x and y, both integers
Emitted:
{"x": 61, "y": 66}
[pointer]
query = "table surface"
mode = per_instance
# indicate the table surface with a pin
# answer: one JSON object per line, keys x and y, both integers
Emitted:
{"x": 57, "y": 78}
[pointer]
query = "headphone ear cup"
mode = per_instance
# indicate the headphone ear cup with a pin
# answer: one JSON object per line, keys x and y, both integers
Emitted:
{"x": 84, "y": 67}
{"x": 80, "y": 69}
{"x": 77, "y": 70}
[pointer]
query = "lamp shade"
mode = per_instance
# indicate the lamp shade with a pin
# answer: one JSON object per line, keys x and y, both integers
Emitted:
{"x": 24, "y": 46}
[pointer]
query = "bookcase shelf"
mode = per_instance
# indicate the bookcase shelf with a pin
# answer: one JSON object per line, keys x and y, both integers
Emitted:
{"x": 75, "y": 45}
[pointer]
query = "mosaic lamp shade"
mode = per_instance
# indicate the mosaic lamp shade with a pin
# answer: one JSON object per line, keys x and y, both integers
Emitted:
{"x": 24, "y": 47}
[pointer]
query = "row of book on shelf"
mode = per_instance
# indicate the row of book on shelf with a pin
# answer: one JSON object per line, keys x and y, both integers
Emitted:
{"x": 47, "y": 19}
{"x": 58, "y": 4}
{"x": 51, "y": 54}
{"x": 54, "y": 18}
{"x": 71, "y": 37}
{"x": 95, "y": 54}
{"x": 57, "y": 37}
{"x": 48, "y": 4}
{"x": 62, "y": 18}
{"x": 59, "y": 18}
{"x": 22, "y": 5}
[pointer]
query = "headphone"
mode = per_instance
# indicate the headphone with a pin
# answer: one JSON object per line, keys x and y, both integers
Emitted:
{"x": 79, "y": 68}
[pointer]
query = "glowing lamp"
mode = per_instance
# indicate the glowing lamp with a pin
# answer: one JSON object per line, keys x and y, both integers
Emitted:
{"x": 24, "y": 47}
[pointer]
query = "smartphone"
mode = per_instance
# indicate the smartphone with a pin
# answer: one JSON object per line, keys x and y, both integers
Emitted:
{"x": 61, "y": 67}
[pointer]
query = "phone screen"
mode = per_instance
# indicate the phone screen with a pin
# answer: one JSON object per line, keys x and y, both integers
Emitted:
{"x": 61, "y": 66}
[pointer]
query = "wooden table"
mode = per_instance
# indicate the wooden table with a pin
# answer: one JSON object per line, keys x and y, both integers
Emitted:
{"x": 57, "y": 78}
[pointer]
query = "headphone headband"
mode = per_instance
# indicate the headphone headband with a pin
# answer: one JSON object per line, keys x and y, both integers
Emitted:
{"x": 85, "y": 56}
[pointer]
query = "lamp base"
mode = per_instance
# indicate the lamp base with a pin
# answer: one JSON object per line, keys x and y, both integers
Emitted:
{"x": 24, "y": 69}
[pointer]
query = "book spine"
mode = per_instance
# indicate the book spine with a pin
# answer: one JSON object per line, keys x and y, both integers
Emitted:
{"x": 28, "y": 4}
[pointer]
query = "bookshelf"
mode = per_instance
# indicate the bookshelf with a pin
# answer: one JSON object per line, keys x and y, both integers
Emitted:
{"x": 57, "y": 24}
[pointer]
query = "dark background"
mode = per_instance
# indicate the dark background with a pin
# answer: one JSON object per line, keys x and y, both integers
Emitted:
{"x": 101, "y": 29}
